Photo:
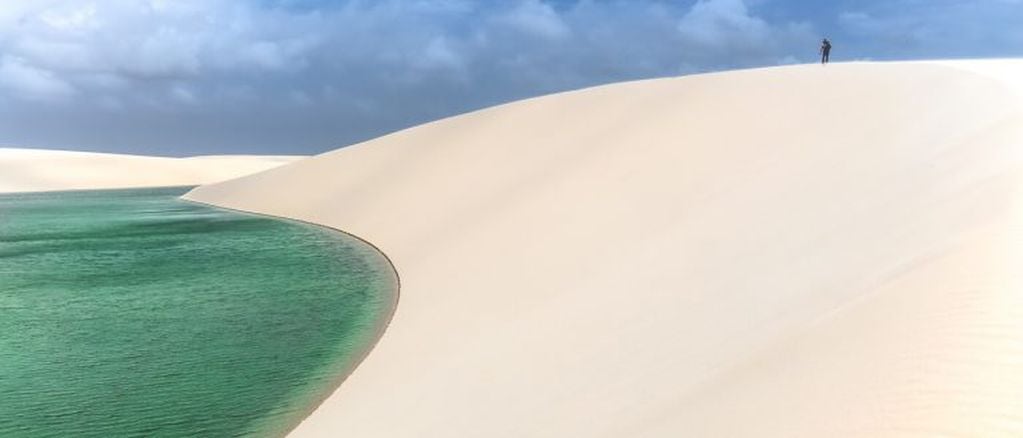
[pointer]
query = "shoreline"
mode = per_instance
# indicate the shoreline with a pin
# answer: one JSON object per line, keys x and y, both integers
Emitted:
{"x": 393, "y": 293}
{"x": 783, "y": 252}
{"x": 212, "y": 268}
{"x": 568, "y": 262}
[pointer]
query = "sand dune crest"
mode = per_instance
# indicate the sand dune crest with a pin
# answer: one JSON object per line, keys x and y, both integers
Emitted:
{"x": 35, "y": 170}
{"x": 795, "y": 251}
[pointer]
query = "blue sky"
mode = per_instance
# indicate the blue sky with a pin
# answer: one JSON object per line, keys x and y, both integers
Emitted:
{"x": 187, "y": 77}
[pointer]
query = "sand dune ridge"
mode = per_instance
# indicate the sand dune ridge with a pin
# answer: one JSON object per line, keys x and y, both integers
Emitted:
{"x": 793, "y": 251}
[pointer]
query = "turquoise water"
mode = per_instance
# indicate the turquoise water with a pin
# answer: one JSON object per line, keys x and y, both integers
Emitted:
{"x": 131, "y": 313}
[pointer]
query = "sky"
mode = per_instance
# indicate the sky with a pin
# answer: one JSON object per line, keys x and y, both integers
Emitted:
{"x": 193, "y": 77}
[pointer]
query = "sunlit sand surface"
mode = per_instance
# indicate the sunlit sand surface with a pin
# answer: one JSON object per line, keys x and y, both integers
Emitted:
{"x": 796, "y": 251}
{"x": 33, "y": 170}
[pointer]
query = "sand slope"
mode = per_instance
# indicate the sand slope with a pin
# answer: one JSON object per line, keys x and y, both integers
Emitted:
{"x": 789, "y": 252}
{"x": 32, "y": 170}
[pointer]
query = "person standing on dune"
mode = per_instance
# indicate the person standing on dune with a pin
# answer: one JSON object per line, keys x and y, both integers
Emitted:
{"x": 825, "y": 51}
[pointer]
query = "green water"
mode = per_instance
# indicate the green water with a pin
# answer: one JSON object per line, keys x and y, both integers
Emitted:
{"x": 131, "y": 313}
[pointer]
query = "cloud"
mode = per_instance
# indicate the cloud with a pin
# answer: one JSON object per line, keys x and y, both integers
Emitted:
{"x": 535, "y": 18}
{"x": 938, "y": 29}
{"x": 69, "y": 18}
{"x": 712, "y": 28}
{"x": 32, "y": 83}
{"x": 723, "y": 22}
{"x": 198, "y": 76}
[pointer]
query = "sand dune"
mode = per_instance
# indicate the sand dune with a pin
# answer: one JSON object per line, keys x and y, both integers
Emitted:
{"x": 801, "y": 251}
{"x": 32, "y": 170}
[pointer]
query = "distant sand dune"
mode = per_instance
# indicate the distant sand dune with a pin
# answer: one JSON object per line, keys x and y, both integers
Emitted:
{"x": 800, "y": 251}
{"x": 33, "y": 170}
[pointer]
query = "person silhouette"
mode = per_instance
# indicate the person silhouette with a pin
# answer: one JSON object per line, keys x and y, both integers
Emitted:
{"x": 825, "y": 51}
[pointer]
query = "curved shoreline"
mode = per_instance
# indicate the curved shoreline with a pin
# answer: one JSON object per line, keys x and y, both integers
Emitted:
{"x": 379, "y": 328}
{"x": 165, "y": 301}
{"x": 622, "y": 261}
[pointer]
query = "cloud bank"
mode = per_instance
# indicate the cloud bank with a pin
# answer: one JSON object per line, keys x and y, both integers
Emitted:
{"x": 180, "y": 77}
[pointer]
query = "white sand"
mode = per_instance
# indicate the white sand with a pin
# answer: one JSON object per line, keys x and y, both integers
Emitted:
{"x": 34, "y": 170}
{"x": 802, "y": 251}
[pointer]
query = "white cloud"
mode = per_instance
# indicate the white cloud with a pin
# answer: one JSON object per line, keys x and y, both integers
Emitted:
{"x": 723, "y": 22}
{"x": 166, "y": 52}
{"x": 726, "y": 33}
{"x": 74, "y": 19}
{"x": 153, "y": 39}
{"x": 439, "y": 55}
{"x": 536, "y": 18}
{"x": 353, "y": 69}
{"x": 28, "y": 82}
{"x": 264, "y": 54}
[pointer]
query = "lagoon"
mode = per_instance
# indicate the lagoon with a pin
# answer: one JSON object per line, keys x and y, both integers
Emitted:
{"x": 133, "y": 313}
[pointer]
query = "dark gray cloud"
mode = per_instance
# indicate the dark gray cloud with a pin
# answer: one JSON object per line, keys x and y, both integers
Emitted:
{"x": 180, "y": 77}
